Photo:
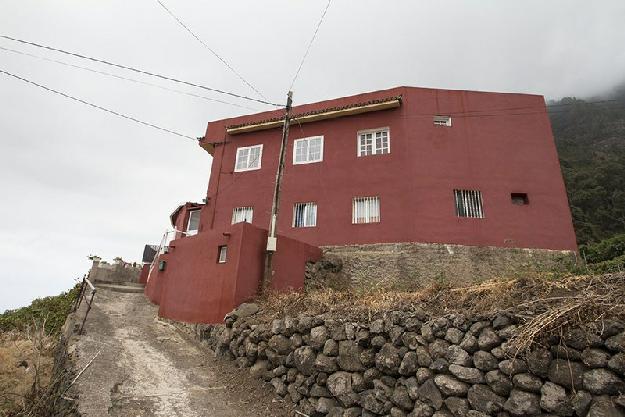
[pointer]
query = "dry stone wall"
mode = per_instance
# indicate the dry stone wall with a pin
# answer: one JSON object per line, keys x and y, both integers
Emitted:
{"x": 408, "y": 364}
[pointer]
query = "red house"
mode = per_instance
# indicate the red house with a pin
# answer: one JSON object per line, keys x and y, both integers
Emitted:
{"x": 414, "y": 167}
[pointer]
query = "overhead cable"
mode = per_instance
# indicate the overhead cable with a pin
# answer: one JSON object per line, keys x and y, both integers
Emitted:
{"x": 108, "y": 74}
{"x": 212, "y": 51}
{"x": 140, "y": 71}
{"x": 301, "y": 64}
{"x": 95, "y": 106}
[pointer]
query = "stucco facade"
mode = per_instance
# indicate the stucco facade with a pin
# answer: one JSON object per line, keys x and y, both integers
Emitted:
{"x": 497, "y": 143}
{"x": 436, "y": 168}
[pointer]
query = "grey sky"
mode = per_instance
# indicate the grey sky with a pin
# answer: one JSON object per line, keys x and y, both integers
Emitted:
{"x": 76, "y": 181}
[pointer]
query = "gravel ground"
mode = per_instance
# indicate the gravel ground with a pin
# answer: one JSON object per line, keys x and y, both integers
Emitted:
{"x": 141, "y": 366}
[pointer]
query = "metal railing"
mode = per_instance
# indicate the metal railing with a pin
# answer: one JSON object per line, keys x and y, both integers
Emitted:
{"x": 85, "y": 286}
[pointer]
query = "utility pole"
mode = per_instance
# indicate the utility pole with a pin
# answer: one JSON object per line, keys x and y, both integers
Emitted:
{"x": 273, "y": 222}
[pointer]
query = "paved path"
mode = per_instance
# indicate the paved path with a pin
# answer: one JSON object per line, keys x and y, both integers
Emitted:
{"x": 146, "y": 367}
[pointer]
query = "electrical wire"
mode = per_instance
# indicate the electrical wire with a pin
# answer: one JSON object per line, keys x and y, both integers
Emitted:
{"x": 197, "y": 38}
{"x": 301, "y": 64}
{"x": 140, "y": 71}
{"x": 95, "y": 106}
{"x": 108, "y": 74}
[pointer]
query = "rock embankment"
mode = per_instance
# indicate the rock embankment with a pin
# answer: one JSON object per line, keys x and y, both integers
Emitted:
{"x": 408, "y": 364}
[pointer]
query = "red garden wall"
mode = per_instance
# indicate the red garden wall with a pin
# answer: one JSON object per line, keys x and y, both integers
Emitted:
{"x": 195, "y": 288}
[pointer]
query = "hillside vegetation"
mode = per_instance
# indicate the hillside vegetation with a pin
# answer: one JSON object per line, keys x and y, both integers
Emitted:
{"x": 51, "y": 310}
{"x": 590, "y": 137}
{"x": 28, "y": 338}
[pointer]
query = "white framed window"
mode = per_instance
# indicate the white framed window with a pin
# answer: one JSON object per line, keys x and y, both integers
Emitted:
{"x": 442, "y": 121}
{"x": 469, "y": 203}
{"x": 365, "y": 210}
{"x": 248, "y": 158}
{"x": 242, "y": 214}
{"x": 193, "y": 224}
{"x": 222, "y": 254}
{"x": 374, "y": 142}
{"x": 308, "y": 150}
{"x": 305, "y": 215}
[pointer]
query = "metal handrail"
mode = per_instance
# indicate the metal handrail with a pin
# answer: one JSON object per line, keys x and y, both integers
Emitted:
{"x": 82, "y": 295}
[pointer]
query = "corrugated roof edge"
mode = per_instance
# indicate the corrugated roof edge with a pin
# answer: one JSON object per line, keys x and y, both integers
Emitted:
{"x": 320, "y": 111}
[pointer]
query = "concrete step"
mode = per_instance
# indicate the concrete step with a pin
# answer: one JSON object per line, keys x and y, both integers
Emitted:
{"x": 126, "y": 287}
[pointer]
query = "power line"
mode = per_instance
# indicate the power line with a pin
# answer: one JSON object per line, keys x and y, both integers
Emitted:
{"x": 197, "y": 38}
{"x": 95, "y": 106}
{"x": 140, "y": 71}
{"x": 108, "y": 74}
{"x": 309, "y": 45}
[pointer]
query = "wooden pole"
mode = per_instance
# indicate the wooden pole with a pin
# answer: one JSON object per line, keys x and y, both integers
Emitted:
{"x": 275, "y": 206}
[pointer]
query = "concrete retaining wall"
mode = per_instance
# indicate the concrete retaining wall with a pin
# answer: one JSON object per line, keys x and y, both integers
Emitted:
{"x": 412, "y": 265}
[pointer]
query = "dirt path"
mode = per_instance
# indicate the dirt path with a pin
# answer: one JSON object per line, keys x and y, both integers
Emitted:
{"x": 145, "y": 367}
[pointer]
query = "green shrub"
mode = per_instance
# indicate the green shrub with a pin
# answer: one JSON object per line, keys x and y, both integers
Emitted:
{"x": 613, "y": 265}
{"x": 53, "y": 310}
{"x": 604, "y": 250}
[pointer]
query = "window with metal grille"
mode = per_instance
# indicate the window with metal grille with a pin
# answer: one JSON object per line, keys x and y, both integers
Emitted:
{"x": 442, "y": 121}
{"x": 308, "y": 150}
{"x": 305, "y": 215}
{"x": 469, "y": 203}
{"x": 248, "y": 158}
{"x": 222, "y": 254}
{"x": 194, "y": 223}
{"x": 374, "y": 142}
{"x": 365, "y": 210}
{"x": 242, "y": 214}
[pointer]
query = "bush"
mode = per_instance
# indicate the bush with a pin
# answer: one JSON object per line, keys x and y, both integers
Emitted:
{"x": 613, "y": 265}
{"x": 605, "y": 250}
{"x": 53, "y": 310}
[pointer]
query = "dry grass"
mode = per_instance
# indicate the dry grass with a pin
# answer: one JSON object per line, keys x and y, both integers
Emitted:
{"x": 26, "y": 361}
{"x": 544, "y": 303}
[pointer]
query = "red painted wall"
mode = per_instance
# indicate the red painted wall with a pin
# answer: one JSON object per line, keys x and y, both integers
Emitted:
{"x": 143, "y": 276}
{"x": 498, "y": 144}
{"x": 180, "y": 217}
{"x": 288, "y": 271}
{"x": 195, "y": 288}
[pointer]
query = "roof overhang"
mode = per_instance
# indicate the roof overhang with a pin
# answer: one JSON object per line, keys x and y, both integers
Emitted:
{"x": 315, "y": 116}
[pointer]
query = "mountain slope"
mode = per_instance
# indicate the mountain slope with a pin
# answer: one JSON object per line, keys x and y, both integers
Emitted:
{"x": 590, "y": 137}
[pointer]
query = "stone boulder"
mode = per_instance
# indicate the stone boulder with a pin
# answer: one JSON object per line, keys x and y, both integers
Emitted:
{"x": 388, "y": 360}
{"x": 304, "y": 360}
{"x": 485, "y": 361}
{"x": 603, "y": 382}
{"x": 521, "y": 403}
{"x": 339, "y": 383}
{"x": 553, "y": 399}
{"x": 429, "y": 394}
{"x": 318, "y": 337}
{"x": 349, "y": 356}
{"x": 483, "y": 399}
{"x": 408, "y": 364}
{"x": 449, "y": 385}
{"x": 566, "y": 373}
{"x": 488, "y": 339}
{"x": 469, "y": 375}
